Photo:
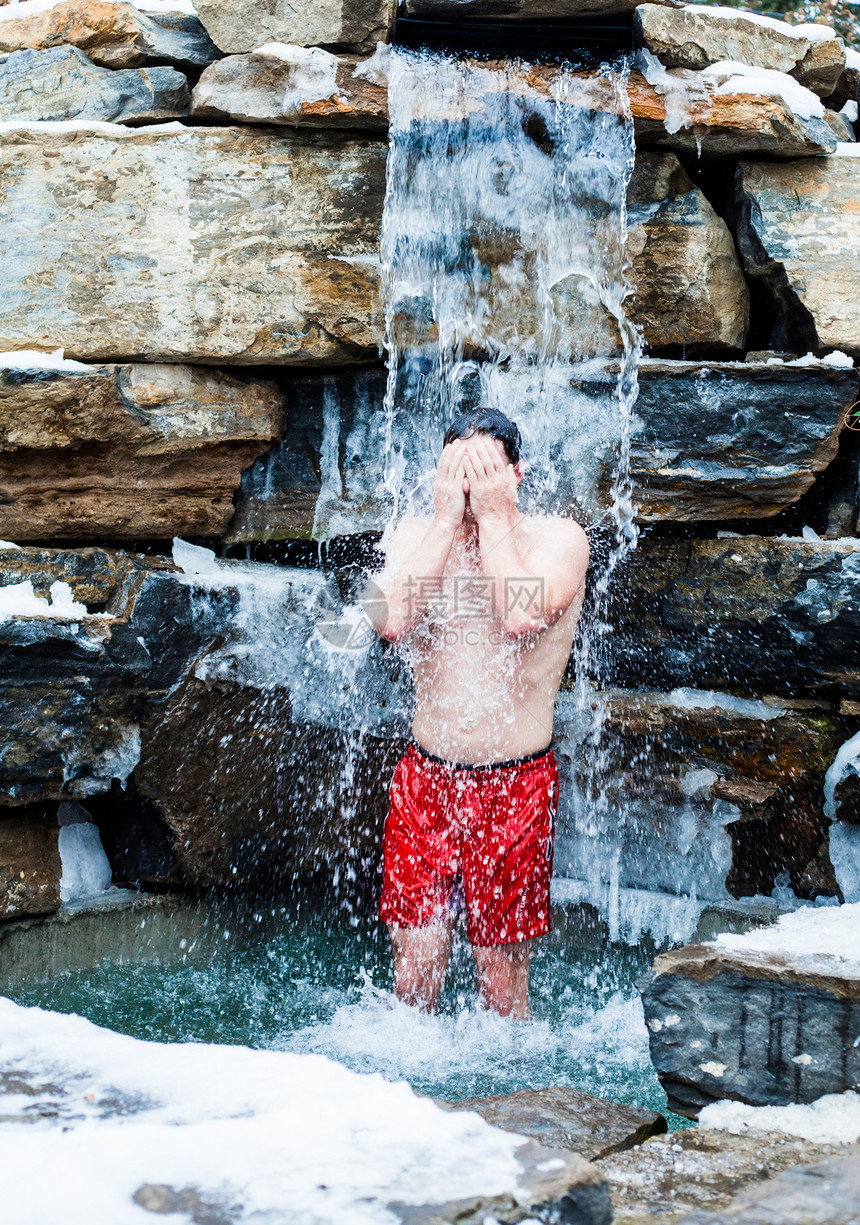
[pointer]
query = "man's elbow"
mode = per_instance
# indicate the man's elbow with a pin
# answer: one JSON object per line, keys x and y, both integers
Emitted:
{"x": 394, "y": 630}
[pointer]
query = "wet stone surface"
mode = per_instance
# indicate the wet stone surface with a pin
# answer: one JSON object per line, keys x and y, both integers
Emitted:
{"x": 562, "y": 1117}
{"x": 667, "y": 1177}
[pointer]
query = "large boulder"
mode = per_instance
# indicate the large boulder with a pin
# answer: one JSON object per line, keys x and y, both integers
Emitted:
{"x": 207, "y": 244}
{"x": 694, "y": 37}
{"x": 355, "y": 26}
{"x": 71, "y": 86}
{"x": 30, "y": 866}
{"x": 688, "y": 285}
{"x": 293, "y": 85}
{"x": 767, "y": 614}
{"x": 760, "y": 1018}
{"x": 94, "y": 635}
{"x": 694, "y": 113}
{"x": 115, "y": 35}
{"x": 723, "y": 441}
{"x": 798, "y": 231}
{"x": 214, "y": 744}
{"x": 124, "y": 452}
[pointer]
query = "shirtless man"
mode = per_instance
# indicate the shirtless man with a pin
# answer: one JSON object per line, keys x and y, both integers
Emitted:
{"x": 486, "y": 600}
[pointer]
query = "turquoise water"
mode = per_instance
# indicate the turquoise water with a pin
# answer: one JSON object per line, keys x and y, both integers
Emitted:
{"x": 320, "y": 983}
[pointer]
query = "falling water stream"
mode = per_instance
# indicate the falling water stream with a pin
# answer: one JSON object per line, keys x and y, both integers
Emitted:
{"x": 504, "y": 264}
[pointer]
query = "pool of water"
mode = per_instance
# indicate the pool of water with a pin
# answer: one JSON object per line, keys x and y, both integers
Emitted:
{"x": 321, "y": 983}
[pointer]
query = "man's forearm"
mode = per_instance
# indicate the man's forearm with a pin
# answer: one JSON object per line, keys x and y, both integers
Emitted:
{"x": 407, "y": 596}
{"x": 501, "y": 562}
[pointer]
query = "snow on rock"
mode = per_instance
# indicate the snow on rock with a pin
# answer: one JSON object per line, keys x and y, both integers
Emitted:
{"x": 20, "y": 600}
{"x": 832, "y": 1119}
{"x": 58, "y": 126}
{"x": 17, "y": 9}
{"x": 734, "y": 78}
{"x": 846, "y": 149}
{"x": 267, "y": 1134}
{"x": 830, "y": 935}
{"x": 34, "y": 359}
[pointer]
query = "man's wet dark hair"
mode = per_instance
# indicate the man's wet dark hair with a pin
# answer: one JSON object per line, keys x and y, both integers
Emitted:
{"x": 486, "y": 421}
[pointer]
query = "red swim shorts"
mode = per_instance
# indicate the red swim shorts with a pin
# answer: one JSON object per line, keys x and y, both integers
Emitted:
{"x": 489, "y": 827}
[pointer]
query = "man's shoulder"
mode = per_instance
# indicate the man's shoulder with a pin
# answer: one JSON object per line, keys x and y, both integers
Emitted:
{"x": 554, "y": 530}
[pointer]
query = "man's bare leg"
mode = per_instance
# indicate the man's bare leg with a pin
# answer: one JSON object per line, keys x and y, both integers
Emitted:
{"x": 421, "y": 957}
{"x": 503, "y": 978}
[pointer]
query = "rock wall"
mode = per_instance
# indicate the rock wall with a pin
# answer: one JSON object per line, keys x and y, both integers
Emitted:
{"x": 184, "y": 198}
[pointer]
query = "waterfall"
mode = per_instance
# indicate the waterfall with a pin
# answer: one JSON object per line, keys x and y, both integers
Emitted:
{"x": 504, "y": 272}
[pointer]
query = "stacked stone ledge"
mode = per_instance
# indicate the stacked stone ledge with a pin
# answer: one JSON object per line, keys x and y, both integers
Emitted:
{"x": 247, "y": 237}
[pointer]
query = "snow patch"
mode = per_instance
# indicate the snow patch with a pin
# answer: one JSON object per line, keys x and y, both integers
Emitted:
{"x": 814, "y": 32}
{"x": 20, "y": 600}
{"x": 834, "y": 1119}
{"x": 736, "y": 78}
{"x": 8, "y": 544}
{"x": 34, "y": 359}
{"x": 844, "y": 846}
{"x": 837, "y": 359}
{"x": 850, "y": 110}
{"x": 18, "y": 9}
{"x": 852, "y": 58}
{"x": 271, "y": 1135}
{"x": 58, "y": 126}
{"x": 846, "y": 148}
{"x": 810, "y": 932}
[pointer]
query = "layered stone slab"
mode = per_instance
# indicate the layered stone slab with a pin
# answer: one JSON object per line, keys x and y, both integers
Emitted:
{"x": 120, "y": 452}
{"x": 798, "y": 233}
{"x": 115, "y": 35}
{"x": 561, "y": 1117}
{"x": 206, "y": 244}
{"x": 690, "y": 36}
{"x": 284, "y": 86}
{"x": 63, "y": 83}
{"x": 750, "y": 1019}
{"x": 766, "y": 614}
{"x": 686, "y": 113}
{"x": 733, "y": 440}
{"x": 673, "y": 230}
{"x": 72, "y": 679}
{"x": 239, "y": 27}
